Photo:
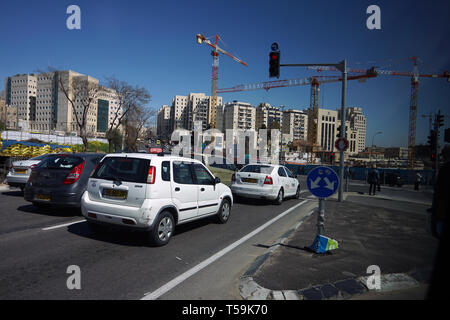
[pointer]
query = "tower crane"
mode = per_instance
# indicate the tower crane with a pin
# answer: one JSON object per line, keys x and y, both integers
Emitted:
{"x": 414, "y": 96}
{"x": 215, "y": 73}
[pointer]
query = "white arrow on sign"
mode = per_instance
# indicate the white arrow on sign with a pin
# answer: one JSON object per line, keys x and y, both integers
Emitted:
{"x": 330, "y": 185}
{"x": 315, "y": 184}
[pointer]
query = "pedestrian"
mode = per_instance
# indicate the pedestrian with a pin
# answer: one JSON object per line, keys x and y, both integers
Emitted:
{"x": 373, "y": 179}
{"x": 418, "y": 180}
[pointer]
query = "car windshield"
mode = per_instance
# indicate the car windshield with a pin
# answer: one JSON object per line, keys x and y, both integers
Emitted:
{"x": 258, "y": 169}
{"x": 123, "y": 169}
{"x": 60, "y": 162}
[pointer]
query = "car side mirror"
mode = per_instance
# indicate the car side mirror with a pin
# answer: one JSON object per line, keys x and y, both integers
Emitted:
{"x": 217, "y": 180}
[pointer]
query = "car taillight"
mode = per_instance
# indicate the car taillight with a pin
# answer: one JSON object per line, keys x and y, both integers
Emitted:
{"x": 32, "y": 167}
{"x": 75, "y": 174}
{"x": 151, "y": 175}
{"x": 233, "y": 177}
{"x": 268, "y": 180}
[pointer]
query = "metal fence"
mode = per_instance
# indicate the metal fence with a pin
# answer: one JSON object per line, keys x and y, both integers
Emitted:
{"x": 361, "y": 174}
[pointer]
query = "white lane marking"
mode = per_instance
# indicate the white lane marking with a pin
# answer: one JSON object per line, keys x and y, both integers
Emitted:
{"x": 62, "y": 225}
{"x": 176, "y": 281}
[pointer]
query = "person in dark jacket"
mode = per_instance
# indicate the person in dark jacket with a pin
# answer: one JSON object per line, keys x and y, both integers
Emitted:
{"x": 373, "y": 179}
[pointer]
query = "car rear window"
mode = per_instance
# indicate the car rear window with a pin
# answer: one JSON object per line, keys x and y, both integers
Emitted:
{"x": 123, "y": 169}
{"x": 61, "y": 161}
{"x": 258, "y": 169}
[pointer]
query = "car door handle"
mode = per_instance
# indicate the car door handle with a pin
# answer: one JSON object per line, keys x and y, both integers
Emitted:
{"x": 177, "y": 189}
{"x": 202, "y": 189}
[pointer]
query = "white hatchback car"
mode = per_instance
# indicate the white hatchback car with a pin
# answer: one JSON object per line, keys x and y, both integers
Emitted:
{"x": 153, "y": 192}
{"x": 265, "y": 181}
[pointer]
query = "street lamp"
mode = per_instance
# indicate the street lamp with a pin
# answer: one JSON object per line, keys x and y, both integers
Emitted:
{"x": 371, "y": 148}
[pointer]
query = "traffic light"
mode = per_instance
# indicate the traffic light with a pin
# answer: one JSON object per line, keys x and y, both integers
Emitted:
{"x": 440, "y": 120}
{"x": 432, "y": 139}
{"x": 433, "y": 156}
{"x": 332, "y": 157}
{"x": 339, "y": 132}
{"x": 274, "y": 64}
{"x": 339, "y": 129}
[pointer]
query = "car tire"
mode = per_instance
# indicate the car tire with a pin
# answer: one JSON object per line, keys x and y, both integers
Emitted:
{"x": 280, "y": 197}
{"x": 297, "y": 194}
{"x": 163, "y": 229}
{"x": 224, "y": 212}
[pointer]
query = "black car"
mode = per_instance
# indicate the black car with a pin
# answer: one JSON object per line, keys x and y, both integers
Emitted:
{"x": 61, "y": 179}
{"x": 393, "y": 179}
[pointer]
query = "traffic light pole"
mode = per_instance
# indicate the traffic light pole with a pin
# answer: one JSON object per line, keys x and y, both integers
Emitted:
{"x": 342, "y": 66}
{"x": 343, "y": 129}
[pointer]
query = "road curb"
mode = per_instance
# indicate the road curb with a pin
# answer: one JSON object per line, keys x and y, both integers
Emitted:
{"x": 344, "y": 289}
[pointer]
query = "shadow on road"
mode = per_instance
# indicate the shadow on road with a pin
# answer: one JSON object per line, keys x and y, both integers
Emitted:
{"x": 17, "y": 193}
{"x": 128, "y": 237}
{"x": 50, "y": 211}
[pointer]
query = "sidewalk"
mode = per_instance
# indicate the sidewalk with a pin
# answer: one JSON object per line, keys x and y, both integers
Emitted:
{"x": 369, "y": 232}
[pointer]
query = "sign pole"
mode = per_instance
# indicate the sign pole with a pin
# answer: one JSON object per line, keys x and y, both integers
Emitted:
{"x": 321, "y": 217}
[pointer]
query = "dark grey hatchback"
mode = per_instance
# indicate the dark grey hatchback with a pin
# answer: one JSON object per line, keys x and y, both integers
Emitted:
{"x": 61, "y": 179}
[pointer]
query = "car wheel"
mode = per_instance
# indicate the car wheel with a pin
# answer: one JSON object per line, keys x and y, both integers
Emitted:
{"x": 297, "y": 194}
{"x": 224, "y": 212}
{"x": 163, "y": 229}
{"x": 280, "y": 197}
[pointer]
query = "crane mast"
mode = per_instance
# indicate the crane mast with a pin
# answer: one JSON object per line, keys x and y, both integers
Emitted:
{"x": 212, "y": 118}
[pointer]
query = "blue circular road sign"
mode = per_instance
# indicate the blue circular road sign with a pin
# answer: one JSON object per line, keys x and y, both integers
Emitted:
{"x": 323, "y": 182}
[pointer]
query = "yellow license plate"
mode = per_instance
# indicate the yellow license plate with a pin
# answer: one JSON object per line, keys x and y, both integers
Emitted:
{"x": 20, "y": 171}
{"x": 120, "y": 194}
{"x": 250, "y": 180}
{"x": 44, "y": 197}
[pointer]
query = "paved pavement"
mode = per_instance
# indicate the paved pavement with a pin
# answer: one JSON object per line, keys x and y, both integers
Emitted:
{"x": 387, "y": 230}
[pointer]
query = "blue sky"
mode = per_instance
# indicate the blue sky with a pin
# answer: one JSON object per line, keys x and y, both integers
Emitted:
{"x": 152, "y": 44}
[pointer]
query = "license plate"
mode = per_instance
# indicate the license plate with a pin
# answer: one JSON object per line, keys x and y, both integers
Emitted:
{"x": 20, "y": 171}
{"x": 250, "y": 180}
{"x": 119, "y": 194}
{"x": 44, "y": 197}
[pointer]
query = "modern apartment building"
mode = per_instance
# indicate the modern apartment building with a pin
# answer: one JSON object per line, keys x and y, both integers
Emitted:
{"x": 188, "y": 109}
{"x": 236, "y": 115}
{"x": 327, "y": 124}
{"x": 267, "y": 116}
{"x": 42, "y": 105}
{"x": 295, "y": 124}
{"x": 8, "y": 115}
{"x": 20, "y": 92}
{"x": 109, "y": 110}
{"x": 358, "y": 123}
{"x": 163, "y": 122}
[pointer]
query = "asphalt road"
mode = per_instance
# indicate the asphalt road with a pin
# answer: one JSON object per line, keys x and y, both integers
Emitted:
{"x": 120, "y": 265}
{"x": 37, "y": 246}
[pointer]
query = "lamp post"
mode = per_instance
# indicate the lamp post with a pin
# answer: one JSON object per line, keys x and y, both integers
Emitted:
{"x": 371, "y": 148}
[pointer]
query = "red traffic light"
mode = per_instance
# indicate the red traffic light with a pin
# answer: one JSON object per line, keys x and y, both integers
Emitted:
{"x": 274, "y": 57}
